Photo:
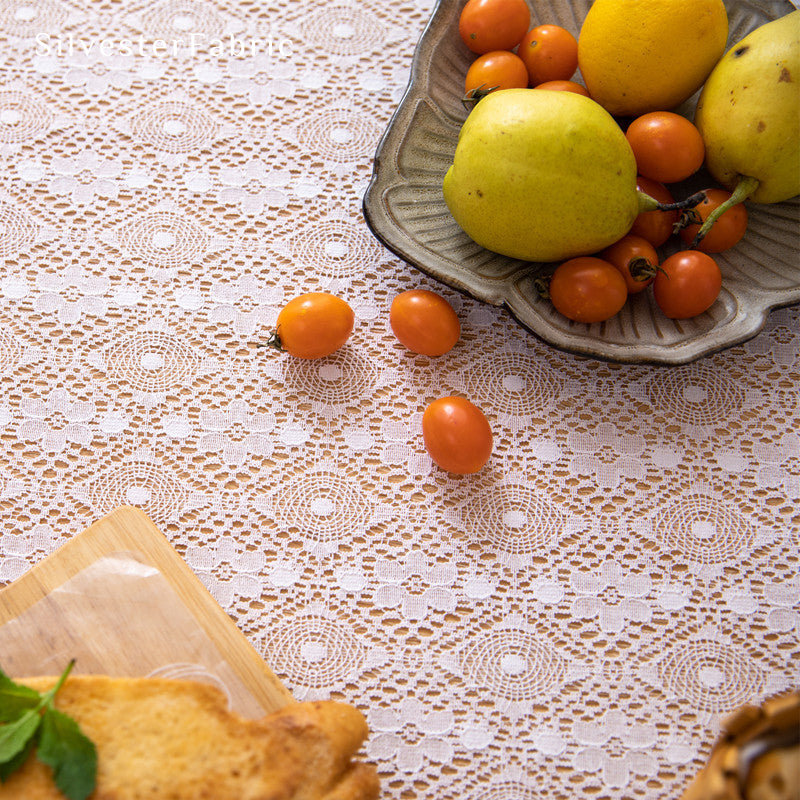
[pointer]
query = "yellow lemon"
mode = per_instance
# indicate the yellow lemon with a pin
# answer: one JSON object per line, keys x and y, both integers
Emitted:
{"x": 646, "y": 55}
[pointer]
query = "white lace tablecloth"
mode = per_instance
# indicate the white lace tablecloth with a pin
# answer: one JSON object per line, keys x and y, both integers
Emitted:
{"x": 573, "y": 621}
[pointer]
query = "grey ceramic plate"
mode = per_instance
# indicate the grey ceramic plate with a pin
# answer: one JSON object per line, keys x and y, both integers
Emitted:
{"x": 405, "y": 209}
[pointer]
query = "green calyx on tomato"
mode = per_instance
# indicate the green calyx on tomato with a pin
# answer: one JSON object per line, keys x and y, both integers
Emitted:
{"x": 273, "y": 341}
{"x": 641, "y": 269}
{"x": 312, "y": 325}
{"x": 474, "y": 95}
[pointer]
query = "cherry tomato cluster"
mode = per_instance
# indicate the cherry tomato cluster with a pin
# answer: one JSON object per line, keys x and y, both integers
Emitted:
{"x": 595, "y": 288}
{"x": 511, "y": 54}
{"x": 455, "y": 431}
{"x": 667, "y": 147}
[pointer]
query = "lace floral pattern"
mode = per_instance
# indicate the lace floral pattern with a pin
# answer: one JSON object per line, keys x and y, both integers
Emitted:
{"x": 574, "y": 620}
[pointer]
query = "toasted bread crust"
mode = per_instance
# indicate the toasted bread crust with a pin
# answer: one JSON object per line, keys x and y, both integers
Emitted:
{"x": 775, "y": 775}
{"x": 758, "y": 753}
{"x": 176, "y": 740}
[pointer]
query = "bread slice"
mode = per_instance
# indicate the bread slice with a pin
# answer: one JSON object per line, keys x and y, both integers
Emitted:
{"x": 757, "y": 755}
{"x": 176, "y": 740}
{"x": 775, "y": 775}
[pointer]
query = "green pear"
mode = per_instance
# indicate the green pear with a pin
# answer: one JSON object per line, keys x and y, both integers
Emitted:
{"x": 542, "y": 175}
{"x": 748, "y": 114}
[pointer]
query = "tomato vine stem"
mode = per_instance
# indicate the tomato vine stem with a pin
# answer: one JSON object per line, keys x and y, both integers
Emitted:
{"x": 744, "y": 188}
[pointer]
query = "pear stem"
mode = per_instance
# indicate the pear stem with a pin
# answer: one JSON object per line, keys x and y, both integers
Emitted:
{"x": 647, "y": 203}
{"x": 744, "y": 188}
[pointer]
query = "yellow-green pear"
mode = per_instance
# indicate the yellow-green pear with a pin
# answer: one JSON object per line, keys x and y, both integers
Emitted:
{"x": 749, "y": 116}
{"x": 542, "y": 175}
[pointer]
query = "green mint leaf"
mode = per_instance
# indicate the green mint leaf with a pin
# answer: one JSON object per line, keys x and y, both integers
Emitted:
{"x": 60, "y": 742}
{"x": 8, "y": 768}
{"x": 47, "y": 697}
{"x": 72, "y": 756}
{"x": 15, "y": 700}
{"x": 15, "y": 735}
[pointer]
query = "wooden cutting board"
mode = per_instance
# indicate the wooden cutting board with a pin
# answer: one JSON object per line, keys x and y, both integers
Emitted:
{"x": 119, "y": 599}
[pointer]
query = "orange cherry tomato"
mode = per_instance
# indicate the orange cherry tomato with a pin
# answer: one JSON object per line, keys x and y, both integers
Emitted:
{"x": 313, "y": 325}
{"x": 636, "y": 259}
{"x": 726, "y": 231}
{"x": 588, "y": 289}
{"x": 564, "y": 86}
{"x": 424, "y": 322}
{"x": 687, "y": 284}
{"x": 499, "y": 69}
{"x": 486, "y": 25}
{"x": 457, "y": 435}
{"x": 655, "y": 226}
{"x": 550, "y": 53}
{"x": 667, "y": 146}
